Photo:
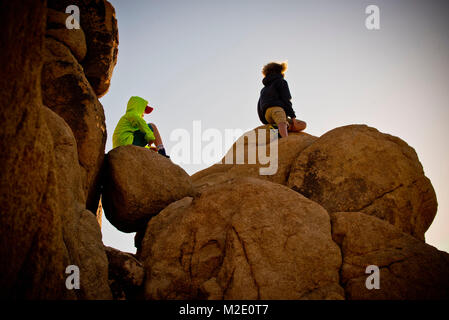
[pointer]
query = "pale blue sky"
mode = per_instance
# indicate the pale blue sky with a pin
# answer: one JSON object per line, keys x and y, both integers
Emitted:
{"x": 201, "y": 60}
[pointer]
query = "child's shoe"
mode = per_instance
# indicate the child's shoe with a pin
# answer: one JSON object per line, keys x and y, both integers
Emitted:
{"x": 162, "y": 152}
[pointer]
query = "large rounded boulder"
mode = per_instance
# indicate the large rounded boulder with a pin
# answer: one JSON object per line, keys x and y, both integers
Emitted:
{"x": 359, "y": 169}
{"x": 80, "y": 230}
{"x": 241, "y": 239}
{"x": 99, "y": 24}
{"x": 405, "y": 267}
{"x": 74, "y": 39}
{"x": 138, "y": 183}
{"x": 66, "y": 91}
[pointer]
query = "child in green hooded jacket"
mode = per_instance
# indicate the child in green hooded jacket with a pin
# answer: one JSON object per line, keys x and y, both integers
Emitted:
{"x": 132, "y": 128}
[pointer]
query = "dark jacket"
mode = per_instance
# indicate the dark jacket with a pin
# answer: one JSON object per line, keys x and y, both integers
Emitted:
{"x": 274, "y": 93}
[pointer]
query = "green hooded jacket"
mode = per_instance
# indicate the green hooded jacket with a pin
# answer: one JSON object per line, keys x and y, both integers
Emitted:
{"x": 131, "y": 122}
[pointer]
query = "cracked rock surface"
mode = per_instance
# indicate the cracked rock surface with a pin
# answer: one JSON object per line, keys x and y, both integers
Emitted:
{"x": 409, "y": 268}
{"x": 359, "y": 169}
{"x": 242, "y": 239}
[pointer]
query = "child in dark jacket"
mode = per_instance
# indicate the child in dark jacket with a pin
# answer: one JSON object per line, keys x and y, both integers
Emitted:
{"x": 274, "y": 106}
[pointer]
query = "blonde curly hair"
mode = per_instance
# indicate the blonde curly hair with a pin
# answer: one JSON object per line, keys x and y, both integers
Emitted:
{"x": 274, "y": 67}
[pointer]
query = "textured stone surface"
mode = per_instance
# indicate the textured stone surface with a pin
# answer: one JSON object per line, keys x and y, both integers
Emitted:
{"x": 74, "y": 39}
{"x": 93, "y": 261}
{"x": 409, "y": 268}
{"x": 81, "y": 231}
{"x": 243, "y": 239}
{"x": 44, "y": 226}
{"x": 31, "y": 247}
{"x": 138, "y": 184}
{"x": 126, "y": 274}
{"x": 240, "y": 238}
{"x": 67, "y": 92}
{"x": 100, "y": 28}
{"x": 287, "y": 151}
{"x": 357, "y": 168}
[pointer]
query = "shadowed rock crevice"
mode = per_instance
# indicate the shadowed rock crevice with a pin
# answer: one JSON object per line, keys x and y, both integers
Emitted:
{"x": 338, "y": 240}
{"x": 253, "y": 276}
{"x": 126, "y": 275}
{"x": 228, "y": 284}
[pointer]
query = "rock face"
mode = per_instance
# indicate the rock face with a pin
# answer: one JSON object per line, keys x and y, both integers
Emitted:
{"x": 100, "y": 28}
{"x": 238, "y": 235}
{"x": 74, "y": 39}
{"x": 287, "y": 151}
{"x": 243, "y": 239}
{"x": 81, "y": 232}
{"x": 66, "y": 91}
{"x": 138, "y": 184}
{"x": 44, "y": 223}
{"x": 126, "y": 274}
{"x": 409, "y": 268}
{"x": 357, "y": 168}
{"x": 30, "y": 239}
{"x": 77, "y": 71}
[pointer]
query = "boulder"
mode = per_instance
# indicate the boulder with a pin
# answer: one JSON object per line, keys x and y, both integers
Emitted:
{"x": 359, "y": 169}
{"x": 139, "y": 183}
{"x": 409, "y": 268}
{"x": 74, "y": 39}
{"x": 66, "y": 91}
{"x": 44, "y": 224}
{"x": 281, "y": 160}
{"x": 32, "y": 255}
{"x": 67, "y": 167}
{"x": 80, "y": 229}
{"x": 92, "y": 258}
{"x": 242, "y": 239}
{"x": 126, "y": 274}
{"x": 100, "y": 28}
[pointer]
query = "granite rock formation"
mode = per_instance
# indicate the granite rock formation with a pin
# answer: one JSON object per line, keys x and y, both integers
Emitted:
{"x": 337, "y": 204}
{"x": 45, "y": 183}
{"x": 242, "y": 239}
